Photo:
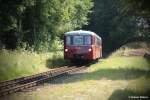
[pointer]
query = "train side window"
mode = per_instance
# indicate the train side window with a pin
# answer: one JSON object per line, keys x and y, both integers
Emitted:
{"x": 87, "y": 40}
{"x": 98, "y": 41}
{"x": 68, "y": 40}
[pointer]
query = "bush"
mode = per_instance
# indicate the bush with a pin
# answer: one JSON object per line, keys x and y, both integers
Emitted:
{"x": 44, "y": 46}
{"x": 57, "y": 44}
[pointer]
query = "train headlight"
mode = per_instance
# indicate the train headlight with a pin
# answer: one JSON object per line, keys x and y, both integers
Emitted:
{"x": 66, "y": 50}
{"x": 90, "y": 50}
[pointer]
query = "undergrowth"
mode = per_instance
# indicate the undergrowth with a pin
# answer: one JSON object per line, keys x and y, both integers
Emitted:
{"x": 19, "y": 63}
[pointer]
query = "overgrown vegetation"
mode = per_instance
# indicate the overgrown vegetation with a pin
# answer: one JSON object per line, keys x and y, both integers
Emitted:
{"x": 33, "y": 30}
{"x": 23, "y": 61}
{"x": 115, "y": 78}
{"x": 137, "y": 47}
{"x": 19, "y": 63}
{"x": 118, "y": 24}
{"x": 37, "y": 23}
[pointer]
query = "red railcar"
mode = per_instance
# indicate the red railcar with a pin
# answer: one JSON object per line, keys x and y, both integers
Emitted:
{"x": 81, "y": 44}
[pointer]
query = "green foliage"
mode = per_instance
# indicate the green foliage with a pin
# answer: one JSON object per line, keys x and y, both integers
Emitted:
{"x": 38, "y": 22}
{"x": 127, "y": 49}
{"x": 54, "y": 45}
{"x": 108, "y": 21}
{"x": 57, "y": 44}
{"x": 141, "y": 10}
{"x": 141, "y": 7}
{"x": 103, "y": 80}
{"x": 19, "y": 63}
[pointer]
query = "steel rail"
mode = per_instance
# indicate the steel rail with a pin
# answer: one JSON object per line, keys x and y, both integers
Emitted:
{"x": 21, "y": 80}
{"x": 46, "y": 76}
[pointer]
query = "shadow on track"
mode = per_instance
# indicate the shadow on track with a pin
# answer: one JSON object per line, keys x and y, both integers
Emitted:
{"x": 111, "y": 74}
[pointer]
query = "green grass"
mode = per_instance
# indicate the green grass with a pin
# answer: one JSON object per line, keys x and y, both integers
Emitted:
{"x": 126, "y": 49}
{"x": 135, "y": 46}
{"x": 15, "y": 64}
{"x": 122, "y": 62}
{"x": 114, "y": 78}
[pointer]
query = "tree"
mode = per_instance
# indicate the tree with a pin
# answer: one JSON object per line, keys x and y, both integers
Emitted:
{"x": 39, "y": 22}
{"x": 141, "y": 10}
{"x": 108, "y": 22}
{"x": 11, "y": 21}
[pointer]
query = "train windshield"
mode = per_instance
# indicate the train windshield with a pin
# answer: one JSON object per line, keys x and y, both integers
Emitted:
{"x": 78, "y": 40}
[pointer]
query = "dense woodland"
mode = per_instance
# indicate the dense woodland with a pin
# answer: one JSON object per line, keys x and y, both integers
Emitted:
{"x": 37, "y": 24}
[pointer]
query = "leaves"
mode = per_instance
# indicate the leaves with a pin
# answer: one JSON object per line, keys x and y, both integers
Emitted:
{"x": 37, "y": 21}
{"x": 108, "y": 21}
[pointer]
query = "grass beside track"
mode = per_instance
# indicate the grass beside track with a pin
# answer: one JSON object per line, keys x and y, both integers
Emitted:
{"x": 15, "y": 64}
{"x": 114, "y": 78}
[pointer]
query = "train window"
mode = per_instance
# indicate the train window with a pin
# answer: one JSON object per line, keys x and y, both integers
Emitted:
{"x": 87, "y": 40}
{"x": 78, "y": 40}
{"x": 98, "y": 41}
{"x": 68, "y": 40}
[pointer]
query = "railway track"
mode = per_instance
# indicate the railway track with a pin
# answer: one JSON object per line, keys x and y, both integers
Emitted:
{"x": 19, "y": 84}
{"x": 22, "y": 80}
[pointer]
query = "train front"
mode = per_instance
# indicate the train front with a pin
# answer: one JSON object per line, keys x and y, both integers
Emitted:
{"x": 78, "y": 46}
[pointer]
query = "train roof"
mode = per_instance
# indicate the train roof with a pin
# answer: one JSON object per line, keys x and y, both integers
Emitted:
{"x": 82, "y": 32}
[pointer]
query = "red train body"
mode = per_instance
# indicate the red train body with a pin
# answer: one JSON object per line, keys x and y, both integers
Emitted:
{"x": 81, "y": 44}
